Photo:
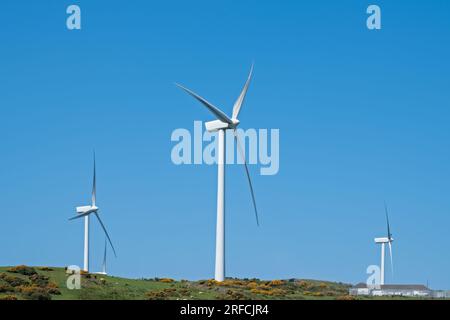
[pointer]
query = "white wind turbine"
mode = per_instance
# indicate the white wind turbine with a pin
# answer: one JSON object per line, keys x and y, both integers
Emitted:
{"x": 104, "y": 260}
{"x": 85, "y": 212}
{"x": 383, "y": 242}
{"x": 223, "y": 123}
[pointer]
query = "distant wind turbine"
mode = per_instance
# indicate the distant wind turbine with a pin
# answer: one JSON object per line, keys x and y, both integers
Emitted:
{"x": 104, "y": 260}
{"x": 389, "y": 239}
{"x": 85, "y": 212}
{"x": 223, "y": 123}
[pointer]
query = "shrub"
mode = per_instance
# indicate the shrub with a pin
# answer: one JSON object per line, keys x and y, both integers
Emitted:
{"x": 346, "y": 297}
{"x": 39, "y": 280}
{"x": 259, "y": 291}
{"x": 279, "y": 292}
{"x": 8, "y": 297}
{"x": 232, "y": 295}
{"x": 323, "y": 285}
{"x": 35, "y": 293}
{"x": 313, "y": 294}
{"x": 54, "y": 291}
{"x": 47, "y": 269}
{"x": 14, "y": 281}
{"x": 303, "y": 284}
{"x": 211, "y": 282}
{"x": 86, "y": 274}
{"x": 6, "y": 288}
{"x": 264, "y": 287}
{"x": 184, "y": 292}
{"x": 52, "y": 288}
{"x": 269, "y": 292}
{"x": 24, "y": 270}
{"x": 233, "y": 282}
{"x": 166, "y": 293}
{"x": 276, "y": 283}
{"x": 157, "y": 295}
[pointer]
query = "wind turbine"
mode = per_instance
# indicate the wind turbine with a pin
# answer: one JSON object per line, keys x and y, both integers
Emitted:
{"x": 223, "y": 123}
{"x": 383, "y": 242}
{"x": 104, "y": 260}
{"x": 86, "y": 211}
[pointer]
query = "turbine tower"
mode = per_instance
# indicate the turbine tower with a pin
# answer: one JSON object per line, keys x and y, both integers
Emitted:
{"x": 383, "y": 242}
{"x": 86, "y": 211}
{"x": 220, "y": 125}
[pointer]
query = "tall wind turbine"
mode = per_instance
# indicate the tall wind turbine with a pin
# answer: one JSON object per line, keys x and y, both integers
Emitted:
{"x": 103, "y": 272}
{"x": 86, "y": 211}
{"x": 104, "y": 260}
{"x": 223, "y": 123}
{"x": 383, "y": 242}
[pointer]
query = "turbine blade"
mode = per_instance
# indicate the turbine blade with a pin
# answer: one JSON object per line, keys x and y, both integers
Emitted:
{"x": 390, "y": 254}
{"x": 106, "y": 233}
{"x": 238, "y": 104}
{"x": 94, "y": 185}
{"x": 80, "y": 216}
{"x": 104, "y": 258}
{"x": 387, "y": 221}
{"x": 216, "y": 111}
{"x": 241, "y": 152}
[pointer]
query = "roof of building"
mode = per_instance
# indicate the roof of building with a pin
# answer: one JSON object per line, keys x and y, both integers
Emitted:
{"x": 404, "y": 287}
{"x": 395, "y": 286}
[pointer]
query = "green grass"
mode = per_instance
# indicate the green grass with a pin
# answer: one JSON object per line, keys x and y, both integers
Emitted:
{"x": 100, "y": 287}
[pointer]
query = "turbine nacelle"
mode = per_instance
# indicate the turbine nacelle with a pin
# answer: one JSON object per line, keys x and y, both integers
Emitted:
{"x": 215, "y": 125}
{"x": 383, "y": 240}
{"x": 87, "y": 209}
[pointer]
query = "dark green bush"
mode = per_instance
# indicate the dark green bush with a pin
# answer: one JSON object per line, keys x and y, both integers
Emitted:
{"x": 35, "y": 293}
{"x": 6, "y": 288}
{"x": 14, "y": 281}
{"x": 39, "y": 280}
{"x": 24, "y": 270}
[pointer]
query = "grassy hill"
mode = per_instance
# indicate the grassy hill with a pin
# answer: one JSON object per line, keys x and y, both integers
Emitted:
{"x": 44, "y": 283}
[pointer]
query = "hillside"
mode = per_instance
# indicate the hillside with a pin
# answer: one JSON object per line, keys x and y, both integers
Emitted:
{"x": 44, "y": 283}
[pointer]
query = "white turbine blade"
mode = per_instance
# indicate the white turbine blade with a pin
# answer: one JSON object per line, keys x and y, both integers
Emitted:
{"x": 387, "y": 221}
{"x": 238, "y": 104}
{"x": 106, "y": 233}
{"x": 241, "y": 152}
{"x": 94, "y": 186}
{"x": 390, "y": 254}
{"x": 80, "y": 216}
{"x": 216, "y": 111}
{"x": 104, "y": 258}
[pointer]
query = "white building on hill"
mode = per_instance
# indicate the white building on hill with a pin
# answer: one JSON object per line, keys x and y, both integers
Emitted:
{"x": 406, "y": 290}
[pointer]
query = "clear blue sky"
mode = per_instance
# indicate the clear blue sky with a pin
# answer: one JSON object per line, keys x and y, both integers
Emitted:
{"x": 363, "y": 117}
